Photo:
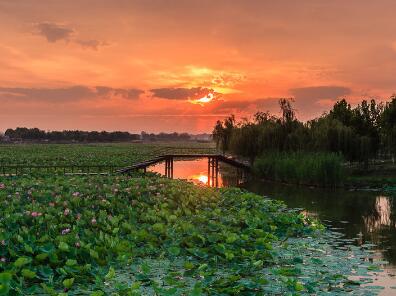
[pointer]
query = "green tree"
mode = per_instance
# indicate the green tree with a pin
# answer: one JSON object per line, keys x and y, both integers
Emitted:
{"x": 388, "y": 126}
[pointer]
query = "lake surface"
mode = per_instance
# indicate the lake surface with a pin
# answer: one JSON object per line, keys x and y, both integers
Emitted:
{"x": 364, "y": 216}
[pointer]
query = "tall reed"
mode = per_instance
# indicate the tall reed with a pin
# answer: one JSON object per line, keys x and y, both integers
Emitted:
{"x": 318, "y": 169}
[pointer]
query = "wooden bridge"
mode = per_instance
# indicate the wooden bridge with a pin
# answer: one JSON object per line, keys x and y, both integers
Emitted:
{"x": 166, "y": 155}
{"x": 213, "y": 164}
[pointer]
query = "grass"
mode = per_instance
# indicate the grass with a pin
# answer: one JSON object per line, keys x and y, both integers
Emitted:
{"x": 380, "y": 175}
{"x": 98, "y": 235}
{"x": 318, "y": 169}
{"x": 370, "y": 182}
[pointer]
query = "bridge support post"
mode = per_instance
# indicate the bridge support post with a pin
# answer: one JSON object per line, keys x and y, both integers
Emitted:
{"x": 217, "y": 172}
{"x": 169, "y": 167}
{"x": 209, "y": 176}
{"x": 213, "y": 171}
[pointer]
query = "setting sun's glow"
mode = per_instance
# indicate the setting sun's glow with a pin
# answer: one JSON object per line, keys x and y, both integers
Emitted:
{"x": 200, "y": 178}
{"x": 203, "y": 179}
{"x": 206, "y": 99}
{"x": 175, "y": 66}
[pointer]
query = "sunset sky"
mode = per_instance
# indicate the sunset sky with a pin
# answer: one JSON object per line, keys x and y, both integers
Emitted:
{"x": 181, "y": 65}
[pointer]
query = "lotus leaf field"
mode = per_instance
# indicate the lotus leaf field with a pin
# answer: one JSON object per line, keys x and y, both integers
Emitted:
{"x": 115, "y": 154}
{"x": 147, "y": 235}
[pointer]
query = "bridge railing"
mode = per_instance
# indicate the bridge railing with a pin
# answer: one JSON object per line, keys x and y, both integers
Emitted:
{"x": 186, "y": 150}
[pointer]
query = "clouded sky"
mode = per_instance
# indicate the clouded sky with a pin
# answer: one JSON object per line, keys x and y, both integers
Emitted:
{"x": 162, "y": 65}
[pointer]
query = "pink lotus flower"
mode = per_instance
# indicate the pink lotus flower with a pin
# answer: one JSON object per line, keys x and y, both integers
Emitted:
{"x": 3, "y": 259}
{"x": 66, "y": 212}
{"x": 2, "y": 185}
{"x": 76, "y": 193}
{"x": 65, "y": 231}
{"x": 51, "y": 204}
{"x": 77, "y": 244}
{"x": 78, "y": 216}
{"x": 36, "y": 214}
{"x": 3, "y": 243}
{"x": 93, "y": 221}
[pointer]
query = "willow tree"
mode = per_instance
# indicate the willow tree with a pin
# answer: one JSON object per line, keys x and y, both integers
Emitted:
{"x": 222, "y": 133}
{"x": 388, "y": 127}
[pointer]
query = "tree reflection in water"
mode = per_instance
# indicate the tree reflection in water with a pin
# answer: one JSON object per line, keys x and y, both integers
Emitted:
{"x": 381, "y": 215}
{"x": 364, "y": 216}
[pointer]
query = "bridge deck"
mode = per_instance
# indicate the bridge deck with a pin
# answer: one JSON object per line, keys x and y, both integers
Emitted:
{"x": 147, "y": 163}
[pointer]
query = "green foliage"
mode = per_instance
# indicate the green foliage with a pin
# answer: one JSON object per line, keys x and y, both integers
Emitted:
{"x": 358, "y": 134}
{"x": 388, "y": 121}
{"x": 222, "y": 133}
{"x": 5, "y": 280}
{"x": 68, "y": 283}
{"x": 320, "y": 169}
{"x": 120, "y": 239}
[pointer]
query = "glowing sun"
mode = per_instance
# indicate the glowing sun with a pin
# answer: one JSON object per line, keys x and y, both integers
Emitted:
{"x": 206, "y": 99}
{"x": 203, "y": 179}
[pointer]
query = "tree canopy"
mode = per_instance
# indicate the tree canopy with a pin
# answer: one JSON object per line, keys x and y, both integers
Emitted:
{"x": 357, "y": 133}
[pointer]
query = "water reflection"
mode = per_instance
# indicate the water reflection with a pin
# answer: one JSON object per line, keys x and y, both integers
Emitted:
{"x": 364, "y": 217}
{"x": 197, "y": 171}
{"x": 381, "y": 215}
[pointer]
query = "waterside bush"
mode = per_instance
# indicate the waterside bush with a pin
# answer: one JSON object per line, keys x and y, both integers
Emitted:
{"x": 318, "y": 169}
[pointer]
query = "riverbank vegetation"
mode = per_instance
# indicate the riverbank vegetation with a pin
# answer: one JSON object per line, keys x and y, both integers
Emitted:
{"x": 319, "y": 169}
{"x": 98, "y": 235}
{"x": 358, "y": 134}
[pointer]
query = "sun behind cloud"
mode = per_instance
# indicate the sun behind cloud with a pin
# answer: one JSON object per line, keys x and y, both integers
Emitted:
{"x": 206, "y": 99}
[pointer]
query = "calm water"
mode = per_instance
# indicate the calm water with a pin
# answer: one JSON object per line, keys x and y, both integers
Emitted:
{"x": 366, "y": 217}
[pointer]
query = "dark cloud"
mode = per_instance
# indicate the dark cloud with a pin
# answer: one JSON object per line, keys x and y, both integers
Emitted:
{"x": 263, "y": 104}
{"x": 307, "y": 100}
{"x": 127, "y": 93}
{"x": 69, "y": 94}
{"x": 319, "y": 92}
{"x": 91, "y": 44}
{"x": 54, "y": 32}
{"x": 306, "y": 108}
{"x": 182, "y": 93}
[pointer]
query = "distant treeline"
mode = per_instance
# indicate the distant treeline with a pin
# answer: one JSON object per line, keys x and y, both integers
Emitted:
{"x": 358, "y": 134}
{"x": 165, "y": 137}
{"x": 35, "y": 134}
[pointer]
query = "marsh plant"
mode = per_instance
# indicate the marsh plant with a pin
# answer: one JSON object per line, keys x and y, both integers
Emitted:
{"x": 319, "y": 169}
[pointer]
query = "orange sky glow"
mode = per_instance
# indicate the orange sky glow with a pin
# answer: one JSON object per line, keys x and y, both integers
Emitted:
{"x": 162, "y": 65}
